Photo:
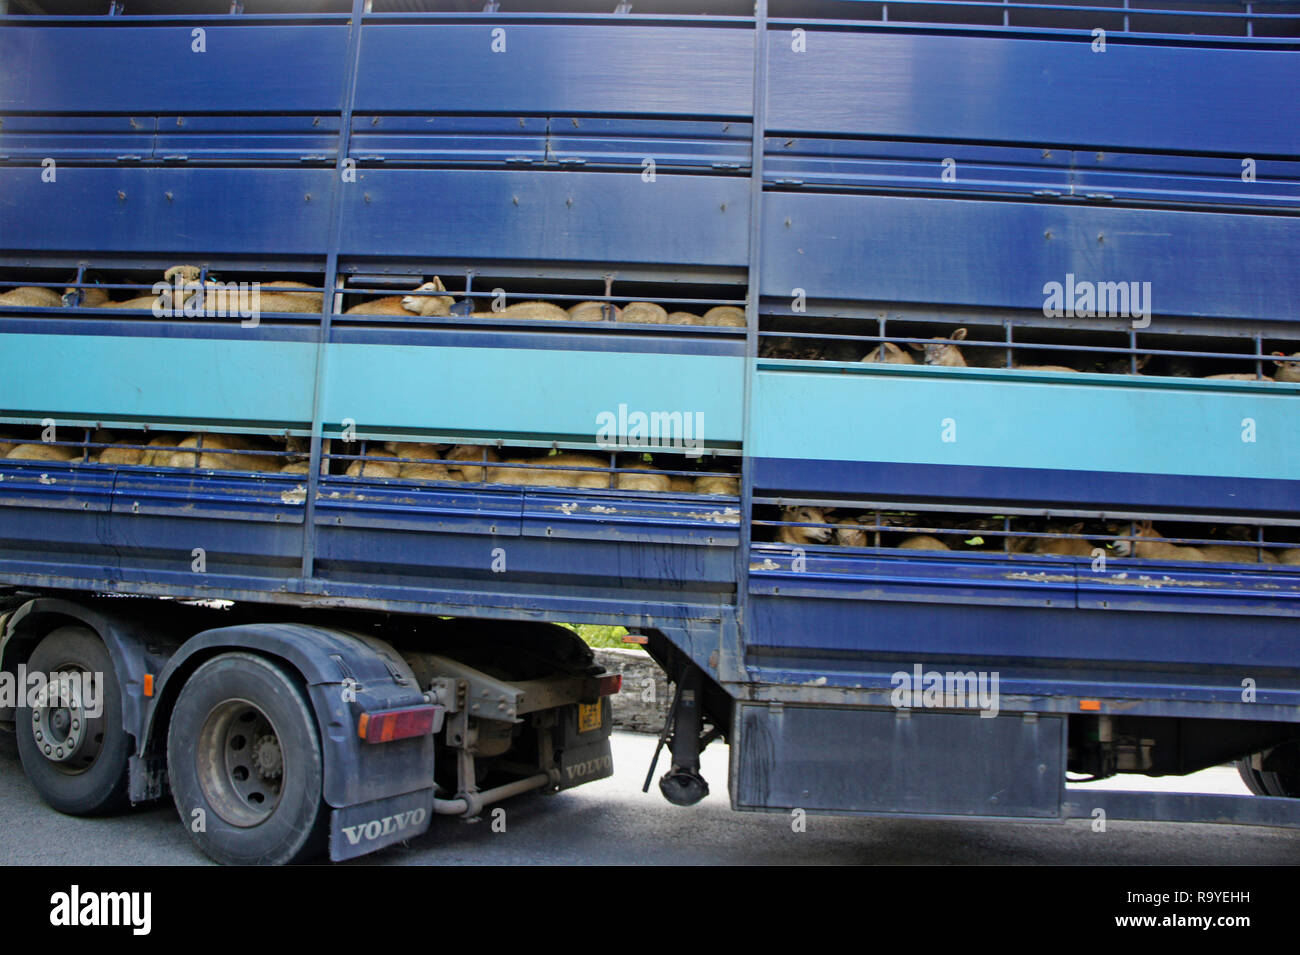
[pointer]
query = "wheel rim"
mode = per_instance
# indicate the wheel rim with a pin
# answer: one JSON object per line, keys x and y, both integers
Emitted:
{"x": 240, "y": 763}
{"x": 65, "y": 734}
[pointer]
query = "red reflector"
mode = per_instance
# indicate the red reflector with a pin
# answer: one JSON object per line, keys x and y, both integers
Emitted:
{"x": 396, "y": 724}
{"x": 1090, "y": 705}
{"x": 609, "y": 684}
{"x": 636, "y": 638}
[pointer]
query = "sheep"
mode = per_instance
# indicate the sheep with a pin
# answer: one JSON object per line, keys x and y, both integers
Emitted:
{"x": 32, "y": 296}
{"x": 923, "y": 542}
{"x": 362, "y": 467}
{"x": 205, "y": 461}
{"x": 690, "y": 318}
{"x": 939, "y": 352}
{"x": 804, "y": 535}
{"x": 644, "y": 313}
{"x": 682, "y": 484}
{"x": 1227, "y": 554}
{"x": 141, "y": 457}
{"x": 849, "y": 534}
{"x": 42, "y": 452}
{"x": 889, "y": 354}
{"x": 716, "y": 484}
{"x": 1288, "y": 366}
{"x": 646, "y": 479}
{"x": 536, "y": 311}
{"x": 1056, "y": 368}
{"x": 127, "y": 456}
{"x": 725, "y": 315}
{"x": 424, "y": 470}
{"x": 423, "y": 305}
{"x": 227, "y": 300}
{"x": 1121, "y": 365}
{"x": 593, "y": 312}
{"x": 1238, "y": 376}
{"x": 471, "y": 452}
{"x": 551, "y": 475}
{"x": 1063, "y": 546}
{"x": 1153, "y": 549}
{"x": 1290, "y": 556}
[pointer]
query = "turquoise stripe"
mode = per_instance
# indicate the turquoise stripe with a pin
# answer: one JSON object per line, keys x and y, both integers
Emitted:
{"x": 526, "y": 391}
{"x": 204, "y": 381}
{"x": 897, "y": 414}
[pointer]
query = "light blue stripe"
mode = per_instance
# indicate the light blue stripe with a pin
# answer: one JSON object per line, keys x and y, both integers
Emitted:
{"x": 206, "y": 381}
{"x": 895, "y": 414}
{"x": 519, "y": 390}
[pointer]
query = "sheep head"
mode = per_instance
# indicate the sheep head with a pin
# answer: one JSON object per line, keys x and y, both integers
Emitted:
{"x": 943, "y": 352}
{"x": 1288, "y": 366}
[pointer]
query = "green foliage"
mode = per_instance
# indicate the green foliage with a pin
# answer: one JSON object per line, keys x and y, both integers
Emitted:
{"x": 596, "y": 636}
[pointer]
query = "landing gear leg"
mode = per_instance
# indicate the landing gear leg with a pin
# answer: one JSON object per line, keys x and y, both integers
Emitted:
{"x": 683, "y": 785}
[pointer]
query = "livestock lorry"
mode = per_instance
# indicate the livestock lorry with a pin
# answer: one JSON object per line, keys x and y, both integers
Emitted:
{"x": 917, "y": 382}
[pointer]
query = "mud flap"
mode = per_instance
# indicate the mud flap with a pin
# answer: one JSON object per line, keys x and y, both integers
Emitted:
{"x": 584, "y": 757}
{"x": 357, "y": 830}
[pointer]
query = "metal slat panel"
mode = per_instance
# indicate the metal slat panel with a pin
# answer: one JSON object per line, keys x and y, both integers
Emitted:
{"x": 1041, "y": 92}
{"x": 204, "y": 211}
{"x": 1001, "y": 254}
{"x": 573, "y": 217}
{"x": 556, "y": 68}
{"x": 67, "y": 68}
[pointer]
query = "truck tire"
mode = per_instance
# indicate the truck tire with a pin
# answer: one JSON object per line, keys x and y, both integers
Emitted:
{"x": 76, "y": 761}
{"x": 244, "y": 762}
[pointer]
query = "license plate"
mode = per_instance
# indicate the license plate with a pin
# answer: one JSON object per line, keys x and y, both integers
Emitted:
{"x": 588, "y": 717}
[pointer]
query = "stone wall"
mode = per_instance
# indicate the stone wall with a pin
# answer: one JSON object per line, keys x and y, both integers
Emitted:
{"x": 642, "y": 705}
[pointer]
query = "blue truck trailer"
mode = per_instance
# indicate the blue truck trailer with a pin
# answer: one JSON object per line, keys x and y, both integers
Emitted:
{"x": 916, "y": 381}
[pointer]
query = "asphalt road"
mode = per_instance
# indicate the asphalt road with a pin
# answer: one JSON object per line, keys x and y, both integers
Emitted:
{"x": 612, "y": 822}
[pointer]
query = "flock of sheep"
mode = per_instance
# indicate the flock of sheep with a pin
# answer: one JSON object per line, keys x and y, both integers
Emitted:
{"x": 1145, "y": 541}
{"x": 426, "y": 301}
{"x": 393, "y": 459}
{"x": 946, "y": 352}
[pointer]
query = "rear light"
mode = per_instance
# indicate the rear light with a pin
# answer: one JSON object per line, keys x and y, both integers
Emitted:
{"x": 388, "y": 725}
{"x": 609, "y": 684}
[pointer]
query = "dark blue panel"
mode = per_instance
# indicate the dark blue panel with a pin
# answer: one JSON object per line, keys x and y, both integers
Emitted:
{"x": 1017, "y": 170}
{"x": 1041, "y": 92}
{"x": 247, "y": 138}
{"x": 167, "y": 210}
{"x": 949, "y": 632}
{"x": 1098, "y": 489}
{"x": 798, "y": 757}
{"x": 152, "y": 69}
{"x": 628, "y": 143}
{"x": 601, "y": 217}
{"x": 830, "y": 573}
{"x": 556, "y": 68}
{"x": 106, "y": 138}
{"x": 617, "y": 517}
{"x": 1001, "y": 254}
{"x": 449, "y": 139}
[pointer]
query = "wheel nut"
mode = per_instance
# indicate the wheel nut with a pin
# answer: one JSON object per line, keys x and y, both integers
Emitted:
{"x": 47, "y": 749}
{"x": 76, "y": 724}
